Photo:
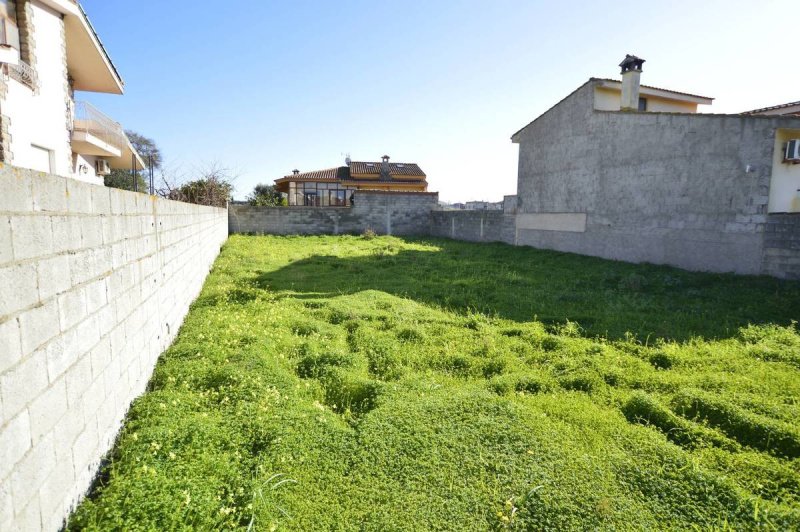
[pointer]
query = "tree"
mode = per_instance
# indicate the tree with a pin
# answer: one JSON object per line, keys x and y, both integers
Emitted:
{"x": 123, "y": 179}
{"x": 213, "y": 187}
{"x": 146, "y": 147}
{"x": 265, "y": 196}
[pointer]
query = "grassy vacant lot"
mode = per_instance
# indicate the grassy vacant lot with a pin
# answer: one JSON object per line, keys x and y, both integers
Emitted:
{"x": 387, "y": 384}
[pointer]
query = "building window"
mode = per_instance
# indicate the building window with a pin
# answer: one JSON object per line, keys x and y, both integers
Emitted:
{"x": 338, "y": 198}
{"x": 310, "y": 199}
{"x": 9, "y": 33}
{"x": 643, "y": 104}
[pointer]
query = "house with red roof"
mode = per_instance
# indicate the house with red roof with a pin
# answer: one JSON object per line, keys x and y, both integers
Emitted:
{"x": 335, "y": 187}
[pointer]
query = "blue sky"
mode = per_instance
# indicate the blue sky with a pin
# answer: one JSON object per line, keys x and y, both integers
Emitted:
{"x": 263, "y": 87}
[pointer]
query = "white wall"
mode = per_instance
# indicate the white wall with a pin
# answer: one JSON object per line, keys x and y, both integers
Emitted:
{"x": 40, "y": 118}
{"x": 96, "y": 283}
{"x": 89, "y": 162}
{"x": 784, "y": 189}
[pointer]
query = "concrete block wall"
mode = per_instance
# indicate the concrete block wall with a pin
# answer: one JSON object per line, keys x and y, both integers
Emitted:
{"x": 393, "y": 213}
{"x": 474, "y": 226}
{"x": 96, "y": 282}
{"x": 782, "y": 246}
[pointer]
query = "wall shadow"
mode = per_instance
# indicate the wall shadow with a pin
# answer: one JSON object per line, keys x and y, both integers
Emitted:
{"x": 605, "y": 297}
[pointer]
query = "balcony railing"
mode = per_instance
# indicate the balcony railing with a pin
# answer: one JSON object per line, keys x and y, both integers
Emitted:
{"x": 91, "y": 121}
{"x": 23, "y": 73}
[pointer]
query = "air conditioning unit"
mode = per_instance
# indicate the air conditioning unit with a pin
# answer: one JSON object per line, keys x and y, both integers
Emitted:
{"x": 101, "y": 167}
{"x": 792, "y": 151}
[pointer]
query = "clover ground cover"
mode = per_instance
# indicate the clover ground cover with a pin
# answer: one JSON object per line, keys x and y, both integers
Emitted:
{"x": 419, "y": 384}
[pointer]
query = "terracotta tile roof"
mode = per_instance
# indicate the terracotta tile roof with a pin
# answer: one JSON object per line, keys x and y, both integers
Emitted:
{"x": 329, "y": 174}
{"x": 365, "y": 167}
{"x": 343, "y": 173}
{"x": 773, "y": 108}
{"x": 377, "y": 180}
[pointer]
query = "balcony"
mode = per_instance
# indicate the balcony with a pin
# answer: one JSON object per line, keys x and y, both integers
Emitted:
{"x": 94, "y": 133}
{"x": 22, "y": 72}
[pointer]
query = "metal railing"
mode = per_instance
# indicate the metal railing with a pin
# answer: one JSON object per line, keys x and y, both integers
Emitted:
{"x": 89, "y": 120}
{"x": 23, "y": 73}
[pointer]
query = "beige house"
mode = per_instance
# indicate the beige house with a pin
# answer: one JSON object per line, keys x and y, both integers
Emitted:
{"x": 334, "y": 187}
{"x": 629, "y": 95}
{"x": 48, "y": 50}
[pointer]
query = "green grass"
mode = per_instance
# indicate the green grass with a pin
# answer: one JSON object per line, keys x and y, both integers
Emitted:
{"x": 340, "y": 383}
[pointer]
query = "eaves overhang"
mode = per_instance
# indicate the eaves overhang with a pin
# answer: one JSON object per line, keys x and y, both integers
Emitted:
{"x": 647, "y": 90}
{"x": 88, "y": 63}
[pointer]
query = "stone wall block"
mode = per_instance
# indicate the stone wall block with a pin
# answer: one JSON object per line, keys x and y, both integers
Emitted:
{"x": 31, "y": 236}
{"x": 17, "y": 193}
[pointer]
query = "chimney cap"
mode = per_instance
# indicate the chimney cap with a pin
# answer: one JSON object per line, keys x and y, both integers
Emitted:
{"x": 631, "y": 63}
{"x": 295, "y": 171}
{"x": 385, "y": 158}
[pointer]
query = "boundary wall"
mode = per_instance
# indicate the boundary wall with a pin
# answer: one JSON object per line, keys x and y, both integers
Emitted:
{"x": 387, "y": 213}
{"x": 95, "y": 285}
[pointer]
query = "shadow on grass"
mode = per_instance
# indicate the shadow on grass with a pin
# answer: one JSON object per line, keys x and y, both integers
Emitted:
{"x": 605, "y": 297}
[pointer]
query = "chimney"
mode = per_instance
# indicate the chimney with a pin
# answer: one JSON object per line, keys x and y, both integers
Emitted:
{"x": 631, "y": 72}
{"x": 295, "y": 171}
{"x": 385, "y": 176}
{"x": 347, "y": 160}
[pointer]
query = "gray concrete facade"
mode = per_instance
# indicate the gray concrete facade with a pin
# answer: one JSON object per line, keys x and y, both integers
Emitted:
{"x": 689, "y": 190}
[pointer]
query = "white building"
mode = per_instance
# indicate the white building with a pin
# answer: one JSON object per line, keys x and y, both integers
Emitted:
{"x": 49, "y": 50}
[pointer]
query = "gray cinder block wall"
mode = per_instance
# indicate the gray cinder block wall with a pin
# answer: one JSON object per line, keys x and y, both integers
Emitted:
{"x": 474, "y": 226}
{"x": 686, "y": 190}
{"x": 95, "y": 285}
{"x": 782, "y": 246}
{"x": 391, "y": 213}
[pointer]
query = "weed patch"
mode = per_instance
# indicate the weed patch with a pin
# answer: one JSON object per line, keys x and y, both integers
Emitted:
{"x": 376, "y": 383}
